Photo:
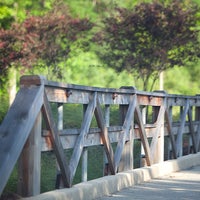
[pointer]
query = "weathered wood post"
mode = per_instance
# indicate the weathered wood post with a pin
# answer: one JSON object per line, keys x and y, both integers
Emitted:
{"x": 191, "y": 148}
{"x": 106, "y": 169}
{"x": 197, "y": 111}
{"x": 84, "y": 156}
{"x": 197, "y": 118}
{"x": 30, "y": 159}
{"x": 29, "y": 163}
{"x": 142, "y": 154}
{"x": 159, "y": 152}
{"x": 179, "y": 140}
{"x": 59, "y": 181}
{"x": 157, "y": 148}
{"x": 169, "y": 145}
{"x": 126, "y": 162}
{"x": 156, "y": 156}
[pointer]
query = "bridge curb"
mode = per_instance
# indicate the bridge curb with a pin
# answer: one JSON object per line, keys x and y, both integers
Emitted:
{"x": 110, "y": 184}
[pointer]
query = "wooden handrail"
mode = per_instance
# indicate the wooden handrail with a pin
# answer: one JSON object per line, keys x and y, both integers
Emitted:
{"x": 128, "y": 102}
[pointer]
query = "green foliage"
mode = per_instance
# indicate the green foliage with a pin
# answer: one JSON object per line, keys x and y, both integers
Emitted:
{"x": 84, "y": 68}
{"x": 4, "y": 103}
{"x": 73, "y": 62}
{"x": 6, "y": 16}
{"x": 150, "y": 38}
{"x": 4, "y": 99}
{"x": 184, "y": 80}
{"x": 92, "y": 9}
{"x": 16, "y": 10}
{"x": 45, "y": 39}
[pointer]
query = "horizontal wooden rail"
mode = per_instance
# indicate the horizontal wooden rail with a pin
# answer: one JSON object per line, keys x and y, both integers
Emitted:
{"x": 69, "y": 136}
{"x": 151, "y": 117}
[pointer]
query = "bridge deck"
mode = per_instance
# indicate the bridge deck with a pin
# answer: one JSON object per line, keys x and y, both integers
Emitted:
{"x": 143, "y": 181}
{"x": 178, "y": 185}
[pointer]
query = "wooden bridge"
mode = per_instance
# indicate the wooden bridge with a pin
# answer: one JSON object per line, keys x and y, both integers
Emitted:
{"x": 167, "y": 125}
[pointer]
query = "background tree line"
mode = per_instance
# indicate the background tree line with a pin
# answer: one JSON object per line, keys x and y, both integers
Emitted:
{"x": 101, "y": 43}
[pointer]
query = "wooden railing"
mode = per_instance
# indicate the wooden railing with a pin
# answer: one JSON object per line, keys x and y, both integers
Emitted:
{"x": 150, "y": 117}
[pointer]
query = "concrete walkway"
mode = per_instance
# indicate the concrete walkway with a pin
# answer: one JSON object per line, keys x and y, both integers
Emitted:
{"x": 142, "y": 183}
{"x": 178, "y": 185}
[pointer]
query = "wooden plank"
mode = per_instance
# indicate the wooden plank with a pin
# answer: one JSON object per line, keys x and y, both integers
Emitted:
{"x": 157, "y": 136}
{"x": 143, "y": 136}
{"x": 123, "y": 164}
{"x": 59, "y": 182}
{"x": 197, "y": 118}
{"x": 78, "y": 148}
{"x": 197, "y": 113}
{"x": 60, "y": 116}
{"x": 84, "y": 156}
{"x": 127, "y": 157}
{"x": 84, "y": 176}
{"x": 104, "y": 137}
{"x": 64, "y": 95}
{"x": 106, "y": 168}
{"x": 69, "y": 136}
{"x": 144, "y": 121}
{"x": 126, "y": 161}
{"x": 179, "y": 145}
{"x": 198, "y": 137}
{"x": 29, "y": 163}
{"x": 106, "y": 96}
{"x": 28, "y": 80}
{"x": 55, "y": 139}
{"x": 180, "y": 100}
{"x": 90, "y": 89}
{"x": 192, "y": 132}
{"x": 107, "y": 115}
{"x": 126, "y": 130}
{"x": 171, "y": 132}
{"x": 16, "y": 128}
{"x": 149, "y": 100}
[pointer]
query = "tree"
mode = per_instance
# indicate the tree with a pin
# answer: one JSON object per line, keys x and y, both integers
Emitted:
{"x": 16, "y": 10}
{"x": 150, "y": 38}
{"x": 45, "y": 39}
{"x": 39, "y": 40}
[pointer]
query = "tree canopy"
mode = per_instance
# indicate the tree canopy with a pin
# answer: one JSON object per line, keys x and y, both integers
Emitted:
{"x": 17, "y": 10}
{"x": 142, "y": 38}
{"x": 44, "y": 38}
{"x": 150, "y": 38}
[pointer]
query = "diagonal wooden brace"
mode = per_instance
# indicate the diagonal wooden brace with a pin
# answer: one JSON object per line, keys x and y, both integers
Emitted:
{"x": 56, "y": 142}
{"x": 104, "y": 137}
{"x": 78, "y": 147}
{"x": 143, "y": 135}
{"x": 126, "y": 128}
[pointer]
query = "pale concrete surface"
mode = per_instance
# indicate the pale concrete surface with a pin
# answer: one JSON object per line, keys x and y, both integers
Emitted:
{"x": 178, "y": 185}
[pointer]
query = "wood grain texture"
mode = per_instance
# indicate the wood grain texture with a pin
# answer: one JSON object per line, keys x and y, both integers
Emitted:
{"x": 78, "y": 148}
{"x": 55, "y": 139}
{"x": 104, "y": 137}
{"x": 16, "y": 128}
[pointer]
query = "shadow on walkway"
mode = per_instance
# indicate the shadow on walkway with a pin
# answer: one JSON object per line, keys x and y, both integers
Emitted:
{"x": 180, "y": 185}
